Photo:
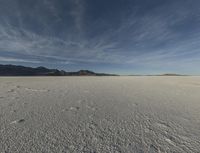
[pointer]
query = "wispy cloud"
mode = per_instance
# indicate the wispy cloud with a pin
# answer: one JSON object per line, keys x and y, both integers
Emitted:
{"x": 7, "y": 59}
{"x": 163, "y": 35}
{"x": 78, "y": 13}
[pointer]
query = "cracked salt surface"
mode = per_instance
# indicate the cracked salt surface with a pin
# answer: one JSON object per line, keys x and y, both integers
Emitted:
{"x": 100, "y": 114}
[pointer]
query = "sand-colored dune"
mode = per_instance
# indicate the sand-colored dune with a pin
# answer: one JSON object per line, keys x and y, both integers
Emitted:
{"x": 100, "y": 114}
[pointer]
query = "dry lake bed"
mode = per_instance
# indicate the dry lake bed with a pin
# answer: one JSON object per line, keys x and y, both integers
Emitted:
{"x": 100, "y": 114}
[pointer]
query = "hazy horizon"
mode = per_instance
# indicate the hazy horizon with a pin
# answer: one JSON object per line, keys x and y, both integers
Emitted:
{"x": 116, "y": 36}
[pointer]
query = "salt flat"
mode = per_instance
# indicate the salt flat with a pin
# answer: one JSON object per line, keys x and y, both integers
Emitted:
{"x": 99, "y": 114}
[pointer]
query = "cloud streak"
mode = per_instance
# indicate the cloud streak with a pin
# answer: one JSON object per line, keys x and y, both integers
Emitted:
{"x": 7, "y": 59}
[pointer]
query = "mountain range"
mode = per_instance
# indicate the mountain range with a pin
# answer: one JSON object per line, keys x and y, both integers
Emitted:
{"x": 15, "y": 70}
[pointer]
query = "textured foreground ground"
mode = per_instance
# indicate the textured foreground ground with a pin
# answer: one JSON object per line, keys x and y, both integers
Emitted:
{"x": 100, "y": 114}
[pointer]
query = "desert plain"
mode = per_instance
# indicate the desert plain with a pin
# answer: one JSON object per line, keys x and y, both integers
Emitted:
{"x": 121, "y": 114}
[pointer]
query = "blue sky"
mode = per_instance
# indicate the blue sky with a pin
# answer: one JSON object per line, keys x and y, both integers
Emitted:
{"x": 115, "y": 36}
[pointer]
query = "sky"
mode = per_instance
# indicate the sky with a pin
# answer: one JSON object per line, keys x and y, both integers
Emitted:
{"x": 114, "y": 36}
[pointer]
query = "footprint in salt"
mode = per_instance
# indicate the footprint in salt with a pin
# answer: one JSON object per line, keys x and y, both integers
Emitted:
{"x": 18, "y": 121}
{"x": 24, "y": 103}
{"x": 13, "y": 111}
{"x": 134, "y": 104}
{"x": 18, "y": 86}
{"x": 11, "y": 90}
{"x": 74, "y": 108}
{"x": 91, "y": 108}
